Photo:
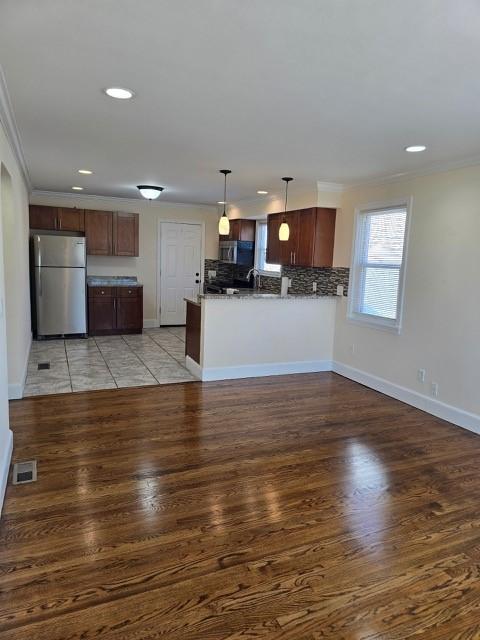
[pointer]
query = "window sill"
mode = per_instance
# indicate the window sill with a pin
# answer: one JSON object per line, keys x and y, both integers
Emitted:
{"x": 372, "y": 323}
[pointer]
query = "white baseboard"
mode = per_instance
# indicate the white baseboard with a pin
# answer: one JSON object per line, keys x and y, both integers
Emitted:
{"x": 5, "y": 466}
{"x": 150, "y": 323}
{"x": 261, "y": 370}
{"x": 460, "y": 417}
{"x": 15, "y": 391}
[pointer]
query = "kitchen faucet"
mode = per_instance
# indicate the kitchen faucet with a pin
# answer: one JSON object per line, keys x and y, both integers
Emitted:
{"x": 256, "y": 277}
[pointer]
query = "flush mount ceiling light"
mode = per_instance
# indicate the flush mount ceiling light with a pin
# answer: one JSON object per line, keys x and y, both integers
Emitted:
{"x": 415, "y": 148}
{"x": 284, "y": 229}
{"x": 261, "y": 192}
{"x": 224, "y": 223}
{"x": 85, "y": 172}
{"x": 119, "y": 93}
{"x": 77, "y": 188}
{"x": 150, "y": 192}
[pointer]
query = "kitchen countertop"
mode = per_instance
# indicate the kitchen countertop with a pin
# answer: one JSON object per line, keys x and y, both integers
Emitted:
{"x": 113, "y": 281}
{"x": 244, "y": 295}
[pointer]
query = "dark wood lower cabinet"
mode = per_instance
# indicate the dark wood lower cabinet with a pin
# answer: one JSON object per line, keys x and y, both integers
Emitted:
{"x": 193, "y": 329}
{"x": 114, "y": 310}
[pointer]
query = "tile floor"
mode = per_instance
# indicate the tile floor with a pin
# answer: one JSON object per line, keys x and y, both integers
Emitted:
{"x": 155, "y": 357}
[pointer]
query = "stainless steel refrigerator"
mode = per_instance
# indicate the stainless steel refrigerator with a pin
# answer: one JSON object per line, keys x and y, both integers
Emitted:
{"x": 59, "y": 264}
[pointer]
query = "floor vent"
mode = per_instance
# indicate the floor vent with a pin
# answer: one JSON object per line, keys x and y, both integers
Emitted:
{"x": 43, "y": 365}
{"x": 24, "y": 472}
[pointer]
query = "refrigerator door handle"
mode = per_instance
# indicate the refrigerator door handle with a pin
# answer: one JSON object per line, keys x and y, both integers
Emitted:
{"x": 40, "y": 289}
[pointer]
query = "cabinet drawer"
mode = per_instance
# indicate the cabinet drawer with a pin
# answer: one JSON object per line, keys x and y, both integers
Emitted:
{"x": 102, "y": 292}
{"x": 128, "y": 292}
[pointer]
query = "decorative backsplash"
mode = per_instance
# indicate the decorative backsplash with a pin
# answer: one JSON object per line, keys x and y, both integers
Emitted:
{"x": 327, "y": 278}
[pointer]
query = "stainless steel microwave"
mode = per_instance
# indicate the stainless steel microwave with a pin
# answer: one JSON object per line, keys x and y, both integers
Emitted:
{"x": 236, "y": 252}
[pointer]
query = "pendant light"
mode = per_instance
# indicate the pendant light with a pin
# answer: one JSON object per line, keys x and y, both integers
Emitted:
{"x": 224, "y": 222}
{"x": 284, "y": 229}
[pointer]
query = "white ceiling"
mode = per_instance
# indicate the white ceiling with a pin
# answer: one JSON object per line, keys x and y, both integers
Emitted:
{"x": 329, "y": 90}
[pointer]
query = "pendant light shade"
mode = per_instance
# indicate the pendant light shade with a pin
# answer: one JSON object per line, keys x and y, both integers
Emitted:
{"x": 284, "y": 229}
{"x": 149, "y": 192}
{"x": 224, "y": 222}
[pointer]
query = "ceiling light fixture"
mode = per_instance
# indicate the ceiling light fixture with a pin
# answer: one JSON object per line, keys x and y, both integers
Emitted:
{"x": 224, "y": 223}
{"x": 85, "y": 172}
{"x": 149, "y": 191}
{"x": 284, "y": 229}
{"x": 415, "y": 148}
{"x": 77, "y": 188}
{"x": 261, "y": 192}
{"x": 119, "y": 93}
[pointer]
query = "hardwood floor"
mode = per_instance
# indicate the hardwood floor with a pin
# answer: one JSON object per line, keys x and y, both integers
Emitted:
{"x": 297, "y": 507}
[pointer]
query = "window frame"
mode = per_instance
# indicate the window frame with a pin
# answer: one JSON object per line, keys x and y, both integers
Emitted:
{"x": 263, "y": 272}
{"x": 370, "y": 320}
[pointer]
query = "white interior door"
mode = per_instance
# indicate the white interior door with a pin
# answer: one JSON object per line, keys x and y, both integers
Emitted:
{"x": 180, "y": 269}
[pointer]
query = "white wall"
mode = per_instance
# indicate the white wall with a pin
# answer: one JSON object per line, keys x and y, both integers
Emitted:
{"x": 441, "y": 325}
{"x": 264, "y": 336}
{"x": 145, "y": 267}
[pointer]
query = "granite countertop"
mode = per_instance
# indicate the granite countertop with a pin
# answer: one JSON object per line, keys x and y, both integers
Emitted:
{"x": 113, "y": 281}
{"x": 257, "y": 295}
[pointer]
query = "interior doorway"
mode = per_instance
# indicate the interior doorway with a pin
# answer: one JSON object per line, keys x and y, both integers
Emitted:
{"x": 180, "y": 269}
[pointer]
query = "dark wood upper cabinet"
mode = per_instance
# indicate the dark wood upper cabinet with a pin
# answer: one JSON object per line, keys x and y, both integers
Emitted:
{"x": 312, "y": 235}
{"x": 56, "y": 218}
{"x": 125, "y": 234}
{"x": 71, "y": 219}
{"x": 99, "y": 232}
{"x": 241, "y": 229}
{"x": 43, "y": 217}
{"x": 274, "y": 246}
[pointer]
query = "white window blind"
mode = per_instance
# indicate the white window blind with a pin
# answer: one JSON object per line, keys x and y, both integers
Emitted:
{"x": 378, "y": 265}
{"x": 261, "y": 252}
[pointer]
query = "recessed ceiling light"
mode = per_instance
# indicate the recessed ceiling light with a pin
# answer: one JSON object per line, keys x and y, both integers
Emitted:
{"x": 77, "y": 188}
{"x": 221, "y": 202}
{"x": 119, "y": 93}
{"x": 150, "y": 192}
{"x": 415, "y": 148}
{"x": 85, "y": 172}
{"x": 261, "y": 192}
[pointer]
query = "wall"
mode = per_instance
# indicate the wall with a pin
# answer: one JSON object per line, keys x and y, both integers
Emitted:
{"x": 146, "y": 266}
{"x": 14, "y": 302}
{"x": 441, "y": 324}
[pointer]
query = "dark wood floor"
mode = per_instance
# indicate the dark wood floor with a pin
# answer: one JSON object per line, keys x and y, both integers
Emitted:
{"x": 295, "y": 507}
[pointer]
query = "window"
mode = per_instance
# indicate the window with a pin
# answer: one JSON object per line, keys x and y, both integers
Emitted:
{"x": 261, "y": 263}
{"x": 378, "y": 266}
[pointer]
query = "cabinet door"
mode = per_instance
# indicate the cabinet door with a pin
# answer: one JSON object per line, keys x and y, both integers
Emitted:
{"x": 98, "y": 232}
{"x": 101, "y": 315}
{"x": 289, "y": 247}
{"x": 42, "y": 217}
{"x": 305, "y": 238}
{"x": 129, "y": 313}
{"x": 125, "y": 234}
{"x": 71, "y": 219}
{"x": 274, "y": 249}
{"x": 247, "y": 230}
{"x": 235, "y": 227}
{"x": 324, "y": 237}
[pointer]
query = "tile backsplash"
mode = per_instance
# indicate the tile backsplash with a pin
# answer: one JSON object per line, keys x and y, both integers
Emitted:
{"x": 327, "y": 278}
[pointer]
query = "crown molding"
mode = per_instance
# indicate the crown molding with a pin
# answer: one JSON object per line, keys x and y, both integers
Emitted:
{"x": 7, "y": 119}
{"x": 439, "y": 167}
{"x": 336, "y": 187}
{"x": 133, "y": 201}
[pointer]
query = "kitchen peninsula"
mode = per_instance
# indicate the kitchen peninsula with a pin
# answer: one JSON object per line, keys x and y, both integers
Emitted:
{"x": 259, "y": 334}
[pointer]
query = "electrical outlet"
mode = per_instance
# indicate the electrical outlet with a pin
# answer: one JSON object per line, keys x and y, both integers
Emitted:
{"x": 434, "y": 389}
{"x": 314, "y": 287}
{"x": 212, "y": 274}
{"x": 339, "y": 289}
{"x": 421, "y": 375}
{"x": 289, "y": 282}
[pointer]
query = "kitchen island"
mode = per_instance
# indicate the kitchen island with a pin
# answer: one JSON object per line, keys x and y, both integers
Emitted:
{"x": 259, "y": 334}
